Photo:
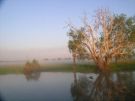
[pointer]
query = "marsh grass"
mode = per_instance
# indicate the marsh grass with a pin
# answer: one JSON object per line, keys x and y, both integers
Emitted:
{"x": 18, "y": 69}
{"x": 123, "y": 66}
{"x": 68, "y": 68}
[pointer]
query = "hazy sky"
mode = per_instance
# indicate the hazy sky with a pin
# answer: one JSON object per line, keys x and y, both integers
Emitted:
{"x": 36, "y": 28}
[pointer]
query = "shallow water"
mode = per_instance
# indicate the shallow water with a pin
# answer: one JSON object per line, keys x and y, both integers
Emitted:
{"x": 49, "y": 86}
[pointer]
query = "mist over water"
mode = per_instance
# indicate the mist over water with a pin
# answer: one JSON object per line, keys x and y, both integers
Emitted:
{"x": 42, "y": 62}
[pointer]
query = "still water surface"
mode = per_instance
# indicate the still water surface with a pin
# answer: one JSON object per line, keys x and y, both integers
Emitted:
{"x": 49, "y": 86}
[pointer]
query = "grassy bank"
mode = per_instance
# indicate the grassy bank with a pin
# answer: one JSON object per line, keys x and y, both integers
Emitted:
{"x": 11, "y": 69}
{"x": 68, "y": 68}
{"x": 121, "y": 66}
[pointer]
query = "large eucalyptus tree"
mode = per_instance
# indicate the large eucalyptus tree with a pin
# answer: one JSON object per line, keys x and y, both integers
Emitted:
{"x": 102, "y": 40}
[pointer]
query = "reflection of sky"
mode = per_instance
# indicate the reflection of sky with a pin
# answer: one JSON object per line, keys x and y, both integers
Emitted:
{"x": 49, "y": 87}
{"x": 39, "y": 24}
{"x": 54, "y": 86}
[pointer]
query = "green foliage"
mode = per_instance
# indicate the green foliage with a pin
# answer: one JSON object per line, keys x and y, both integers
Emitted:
{"x": 75, "y": 43}
{"x": 128, "y": 25}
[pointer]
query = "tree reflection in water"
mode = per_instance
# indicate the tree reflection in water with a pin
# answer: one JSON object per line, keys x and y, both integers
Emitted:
{"x": 103, "y": 87}
{"x": 32, "y": 75}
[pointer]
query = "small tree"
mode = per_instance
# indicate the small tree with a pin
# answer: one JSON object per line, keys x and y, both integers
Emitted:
{"x": 27, "y": 68}
{"x": 74, "y": 44}
{"x": 102, "y": 40}
{"x": 75, "y": 48}
{"x": 35, "y": 64}
{"x": 31, "y": 67}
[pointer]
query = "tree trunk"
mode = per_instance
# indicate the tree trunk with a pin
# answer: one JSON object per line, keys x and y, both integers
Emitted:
{"x": 116, "y": 60}
{"x": 102, "y": 66}
{"x": 74, "y": 68}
